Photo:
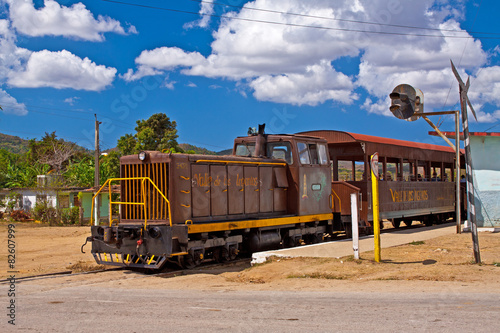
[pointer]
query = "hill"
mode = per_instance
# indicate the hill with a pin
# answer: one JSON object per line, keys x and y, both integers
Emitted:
{"x": 13, "y": 144}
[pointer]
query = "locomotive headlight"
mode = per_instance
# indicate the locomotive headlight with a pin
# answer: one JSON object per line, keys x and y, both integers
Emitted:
{"x": 142, "y": 155}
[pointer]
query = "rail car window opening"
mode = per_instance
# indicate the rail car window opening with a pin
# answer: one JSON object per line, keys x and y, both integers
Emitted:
{"x": 280, "y": 150}
{"x": 245, "y": 149}
{"x": 391, "y": 173}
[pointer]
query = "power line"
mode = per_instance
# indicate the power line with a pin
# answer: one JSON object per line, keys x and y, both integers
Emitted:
{"x": 37, "y": 134}
{"x": 14, "y": 106}
{"x": 341, "y": 20}
{"x": 289, "y": 24}
{"x": 459, "y": 62}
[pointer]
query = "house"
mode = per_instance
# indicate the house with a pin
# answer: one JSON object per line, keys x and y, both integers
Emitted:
{"x": 485, "y": 153}
{"x": 57, "y": 197}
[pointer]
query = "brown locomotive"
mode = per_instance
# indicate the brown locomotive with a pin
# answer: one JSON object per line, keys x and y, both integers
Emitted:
{"x": 275, "y": 190}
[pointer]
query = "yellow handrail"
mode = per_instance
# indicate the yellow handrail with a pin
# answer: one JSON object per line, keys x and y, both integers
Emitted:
{"x": 143, "y": 191}
{"x": 340, "y": 201}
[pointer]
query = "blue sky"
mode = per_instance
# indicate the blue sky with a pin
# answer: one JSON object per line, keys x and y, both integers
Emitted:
{"x": 295, "y": 65}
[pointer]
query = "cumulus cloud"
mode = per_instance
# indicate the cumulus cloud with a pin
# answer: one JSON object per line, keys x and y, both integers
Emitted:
{"x": 62, "y": 70}
{"x": 207, "y": 9}
{"x": 57, "y": 20}
{"x": 318, "y": 84}
{"x": 10, "y": 105}
{"x": 287, "y": 63}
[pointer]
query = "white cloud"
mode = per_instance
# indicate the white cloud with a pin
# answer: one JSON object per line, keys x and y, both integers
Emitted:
{"x": 206, "y": 9}
{"x": 56, "y": 20}
{"x": 286, "y": 63}
{"x": 71, "y": 100}
{"x": 62, "y": 70}
{"x": 141, "y": 72}
{"x": 10, "y": 105}
{"x": 12, "y": 57}
{"x": 318, "y": 84}
{"x": 191, "y": 85}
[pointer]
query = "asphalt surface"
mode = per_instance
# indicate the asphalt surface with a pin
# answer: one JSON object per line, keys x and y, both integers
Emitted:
{"x": 102, "y": 309}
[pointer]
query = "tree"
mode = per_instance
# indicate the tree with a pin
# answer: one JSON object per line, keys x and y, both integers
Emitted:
{"x": 155, "y": 133}
{"x": 52, "y": 151}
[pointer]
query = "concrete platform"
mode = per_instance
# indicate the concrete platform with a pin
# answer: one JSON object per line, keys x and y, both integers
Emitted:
{"x": 342, "y": 248}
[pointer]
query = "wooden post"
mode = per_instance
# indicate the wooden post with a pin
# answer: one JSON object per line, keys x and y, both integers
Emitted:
{"x": 354, "y": 225}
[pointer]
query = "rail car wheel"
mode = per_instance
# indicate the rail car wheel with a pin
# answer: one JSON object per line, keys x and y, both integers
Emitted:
{"x": 428, "y": 221}
{"x": 408, "y": 222}
{"x": 396, "y": 223}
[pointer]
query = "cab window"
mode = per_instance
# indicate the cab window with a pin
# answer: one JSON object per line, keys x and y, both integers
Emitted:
{"x": 322, "y": 155}
{"x": 303, "y": 153}
{"x": 312, "y": 153}
{"x": 280, "y": 150}
{"x": 245, "y": 149}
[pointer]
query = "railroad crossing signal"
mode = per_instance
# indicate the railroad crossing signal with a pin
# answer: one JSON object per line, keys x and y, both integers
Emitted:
{"x": 464, "y": 101}
{"x": 407, "y": 102}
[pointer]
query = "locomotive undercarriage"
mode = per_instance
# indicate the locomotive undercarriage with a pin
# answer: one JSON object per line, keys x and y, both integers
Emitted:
{"x": 137, "y": 247}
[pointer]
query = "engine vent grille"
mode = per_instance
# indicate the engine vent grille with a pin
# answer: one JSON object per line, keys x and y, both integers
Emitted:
{"x": 156, "y": 207}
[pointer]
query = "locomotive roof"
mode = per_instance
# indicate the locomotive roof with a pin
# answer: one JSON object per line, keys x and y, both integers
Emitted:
{"x": 285, "y": 136}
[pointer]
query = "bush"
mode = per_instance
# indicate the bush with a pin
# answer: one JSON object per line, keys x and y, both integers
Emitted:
{"x": 70, "y": 215}
{"x": 19, "y": 215}
{"x": 44, "y": 212}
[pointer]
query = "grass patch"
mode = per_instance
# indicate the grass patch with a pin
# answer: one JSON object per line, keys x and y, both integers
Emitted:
{"x": 417, "y": 243}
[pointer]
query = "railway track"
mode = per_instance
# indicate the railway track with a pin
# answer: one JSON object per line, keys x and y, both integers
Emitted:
{"x": 168, "y": 272}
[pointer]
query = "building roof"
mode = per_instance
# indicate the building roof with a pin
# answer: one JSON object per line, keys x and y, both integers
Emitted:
{"x": 451, "y": 135}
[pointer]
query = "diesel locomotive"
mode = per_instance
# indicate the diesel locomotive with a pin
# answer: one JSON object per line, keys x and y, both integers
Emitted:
{"x": 273, "y": 191}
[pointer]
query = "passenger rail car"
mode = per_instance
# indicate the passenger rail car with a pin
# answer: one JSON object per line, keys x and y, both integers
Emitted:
{"x": 416, "y": 179}
{"x": 274, "y": 190}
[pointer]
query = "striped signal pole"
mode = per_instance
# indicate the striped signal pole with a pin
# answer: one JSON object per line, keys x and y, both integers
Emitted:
{"x": 464, "y": 100}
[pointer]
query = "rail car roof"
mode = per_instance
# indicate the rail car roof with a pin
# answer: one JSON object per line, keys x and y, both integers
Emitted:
{"x": 390, "y": 148}
{"x": 333, "y": 136}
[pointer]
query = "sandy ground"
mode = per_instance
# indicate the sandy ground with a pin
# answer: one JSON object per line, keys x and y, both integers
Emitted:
{"x": 440, "y": 264}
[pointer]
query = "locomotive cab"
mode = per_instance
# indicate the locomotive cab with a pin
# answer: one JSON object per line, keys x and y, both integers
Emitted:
{"x": 308, "y": 172}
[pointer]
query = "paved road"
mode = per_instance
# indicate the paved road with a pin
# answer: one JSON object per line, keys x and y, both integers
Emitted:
{"x": 98, "y": 308}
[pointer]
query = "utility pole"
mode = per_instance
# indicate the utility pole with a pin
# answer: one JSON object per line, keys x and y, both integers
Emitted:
{"x": 97, "y": 203}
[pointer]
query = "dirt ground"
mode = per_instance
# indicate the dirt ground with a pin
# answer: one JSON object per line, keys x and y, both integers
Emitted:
{"x": 42, "y": 249}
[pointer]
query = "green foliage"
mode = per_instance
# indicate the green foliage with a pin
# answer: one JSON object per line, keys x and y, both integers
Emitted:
{"x": 44, "y": 212}
{"x": 155, "y": 133}
{"x": 109, "y": 166}
{"x": 13, "y": 144}
{"x": 80, "y": 173}
{"x": 196, "y": 150}
{"x": 12, "y": 199}
{"x": 70, "y": 215}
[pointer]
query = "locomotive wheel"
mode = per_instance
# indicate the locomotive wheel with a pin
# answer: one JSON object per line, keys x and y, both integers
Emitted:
{"x": 188, "y": 262}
